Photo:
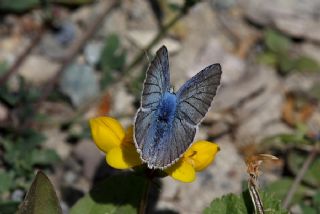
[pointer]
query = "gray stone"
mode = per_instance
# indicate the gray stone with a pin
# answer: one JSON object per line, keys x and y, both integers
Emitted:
{"x": 263, "y": 104}
{"x": 122, "y": 101}
{"x": 11, "y": 47}
{"x": 50, "y": 47}
{"x": 17, "y": 195}
{"x": 92, "y": 52}
{"x": 38, "y": 69}
{"x": 90, "y": 156}
{"x": 233, "y": 67}
{"x": 70, "y": 177}
{"x": 80, "y": 83}
{"x": 139, "y": 15}
{"x": 301, "y": 81}
{"x": 66, "y": 33}
{"x": 294, "y": 17}
{"x": 56, "y": 140}
{"x": 314, "y": 122}
{"x": 312, "y": 50}
{"x": 57, "y": 44}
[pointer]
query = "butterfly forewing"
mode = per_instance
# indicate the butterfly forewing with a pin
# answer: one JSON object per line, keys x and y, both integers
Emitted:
{"x": 157, "y": 80}
{"x": 156, "y": 83}
{"x": 196, "y": 95}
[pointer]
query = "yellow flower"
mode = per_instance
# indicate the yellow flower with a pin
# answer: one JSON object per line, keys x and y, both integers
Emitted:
{"x": 111, "y": 138}
{"x": 195, "y": 159}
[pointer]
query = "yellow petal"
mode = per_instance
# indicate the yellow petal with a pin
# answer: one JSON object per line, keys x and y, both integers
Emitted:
{"x": 201, "y": 154}
{"x": 128, "y": 139}
{"x": 106, "y": 133}
{"x": 182, "y": 171}
{"x": 123, "y": 157}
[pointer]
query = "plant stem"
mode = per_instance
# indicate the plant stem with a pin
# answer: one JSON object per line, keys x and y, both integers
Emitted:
{"x": 144, "y": 199}
{"x": 255, "y": 197}
{"x": 14, "y": 68}
{"x": 311, "y": 157}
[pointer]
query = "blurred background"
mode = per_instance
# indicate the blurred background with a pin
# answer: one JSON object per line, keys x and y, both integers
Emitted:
{"x": 63, "y": 62}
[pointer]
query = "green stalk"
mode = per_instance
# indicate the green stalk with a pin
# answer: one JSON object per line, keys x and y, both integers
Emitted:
{"x": 144, "y": 199}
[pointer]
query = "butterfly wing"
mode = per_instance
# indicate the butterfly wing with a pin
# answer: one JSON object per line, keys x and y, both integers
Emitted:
{"x": 196, "y": 95}
{"x": 194, "y": 99}
{"x": 156, "y": 83}
{"x": 157, "y": 80}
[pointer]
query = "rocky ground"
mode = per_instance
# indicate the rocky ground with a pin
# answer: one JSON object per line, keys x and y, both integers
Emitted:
{"x": 247, "y": 109}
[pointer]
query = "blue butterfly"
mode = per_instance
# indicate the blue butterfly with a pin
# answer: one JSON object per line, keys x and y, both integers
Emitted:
{"x": 166, "y": 122}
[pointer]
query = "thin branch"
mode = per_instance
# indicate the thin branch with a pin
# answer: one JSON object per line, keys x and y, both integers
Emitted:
{"x": 106, "y": 9}
{"x": 14, "y": 68}
{"x": 254, "y": 194}
{"x": 311, "y": 157}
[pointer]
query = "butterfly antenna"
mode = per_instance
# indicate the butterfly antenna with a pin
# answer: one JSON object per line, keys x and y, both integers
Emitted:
{"x": 146, "y": 53}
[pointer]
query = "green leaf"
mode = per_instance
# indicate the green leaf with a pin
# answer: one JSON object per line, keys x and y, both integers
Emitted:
{"x": 72, "y": 2}
{"x": 112, "y": 58}
{"x": 41, "y": 197}
{"x": 136, "y": 84}
{"x": 271, "y": 204}
{"x": 3, "y": 67}
{"x": 227, "y": 204}
{"x": 17, "y": 5}
{"x": 280, "y": 188}
{"x": 304, "y": 63}
{"x": 316, "y": 200}
{"x": 276, "y": 42}
{"x": 7, "y": 97}
{"x": 282, "y": 141}
{"x": 8, "y": 207}
{"x": 268, "y": 58}
{"x": 117, "y": 194}
{"x": 301, "y": 63}
{"x": 296, "y": 160}
{"x": 315, "y": 90}
{"x": 44, "y": 157}
{"x": 5, "y": 181}
{"x": 174, "y": 7}
{"x": 232, "y": 203}
{"x": 286, "y": 64}
{"x": 307, "y": 209}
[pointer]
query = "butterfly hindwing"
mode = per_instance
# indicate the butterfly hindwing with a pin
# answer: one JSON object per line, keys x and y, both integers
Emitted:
{"x": 194, "y": 99}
